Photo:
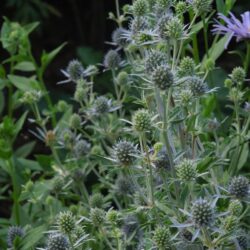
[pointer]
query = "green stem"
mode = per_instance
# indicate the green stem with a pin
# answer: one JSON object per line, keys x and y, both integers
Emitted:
{"x": 15, "y": 192}
{"x": 247, "y": 58}
{"x": 10, "y": 91}
{"x": 205, "y": 34}
{"x": 151, "y": 185}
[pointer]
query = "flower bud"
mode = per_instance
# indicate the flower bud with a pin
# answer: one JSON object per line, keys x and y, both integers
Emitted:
{"x": 238, "y": 75}
{"x": 154, "y": 59}
{"x": 13, "y": 233}
{"x": 75, "y": 121}
{"x": 202, "y": 213}
{"x": 96, "y": 200}
{"x": 141, "y": 121}
{"x": 66, "y": 222}
{"x": 112, "y": 60}
{"x": 239, "y": 187}
{"x": 235, "y": 207}
{"x": 187, "y": 67}
{"x": 75, "y": 70}
{"x": 62, "y": 106}
{"x": 162, "y": 237}
{"x": 186, "y": 170}
{"x": 97, "y": 216}
{"x": 58, "y": 242}
{"x": 140, "y": 7}
{"x": 124, "y": 153}
{"x": 162, "y": 77}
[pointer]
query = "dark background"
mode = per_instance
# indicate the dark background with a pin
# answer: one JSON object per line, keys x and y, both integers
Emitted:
{"x": 83, "y": 24}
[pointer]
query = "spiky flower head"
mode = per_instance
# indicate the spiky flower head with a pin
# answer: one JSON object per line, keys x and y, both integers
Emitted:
{"x": 124, "y": 152}
{"x": 62, "y": 106}
{"x": 238, "y": 75}
{"x": 122, "y": 78}
{"x": 31, "y": 96}
{"x": 112, "y": 60}
{"x": 197, "y": 85}
{"x": 97, "y": 216}
{"x": 162, "y": 237}
{"x": 187, "y": 67}
{"x": 13, "y": 233}
{"x": 201, "y": 6}
{"x": 239, "y": 187}
{"x": 75, "y": 70}
{"x": 96, "y": 200}
{"x": 137, "y": 25}
{"x": 101, "y": 105}
{"x": 242, "y": 239}
{"x": 66, "y": 138}
{"x": 57, "y": 185}
{"x": 119, "y": 37}
{"x": 161, "y": 159}
{"x": 58, "y": 242}
{"x": 181, "y": 7}
{"x": 141, "y": 121}
{"x": 230, "y": 223}
{"x": 162, "y": 26}
{"x": 75, "y": 121}
{"x": 175, "y": 29}
{"x": 66, "y": 222}
{"x": 140, "y": 7}
{"x": 202, "y": 213}
{"x": 81, "y": 148}
{"x": 162, "y": 7}
{"x": 80, "y": 94}
{"x": 113, "y": 217}
{"x": 124, "y": 186}
{"x": 186, "y": 170}
{"x": 235, "y": 207}
{"x": 154, "y": 59}
{"x": 162, "y": 77}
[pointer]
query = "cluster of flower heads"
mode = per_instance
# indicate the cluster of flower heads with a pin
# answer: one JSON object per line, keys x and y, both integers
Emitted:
{"x": 168, "y": 192}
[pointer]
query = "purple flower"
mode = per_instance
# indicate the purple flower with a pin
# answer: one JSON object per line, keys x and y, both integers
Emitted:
{"x": 234, "y": 27}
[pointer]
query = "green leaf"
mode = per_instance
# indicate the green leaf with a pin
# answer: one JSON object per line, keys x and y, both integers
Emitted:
{"x": 25, "y": 66}
{"x": 25, "y": 150}
{"x": 33, "y": 237}
{"x": 24, "y": 83}
{"x": 48, "y": 57}
{"x": 243, "y": 156}
{"x": 20, "y": 122}
{"x": 30, "y": 27}
{"x": 220, "y": 5}
{"x": 29, "y": 164}
{"x": 217, "y": 49}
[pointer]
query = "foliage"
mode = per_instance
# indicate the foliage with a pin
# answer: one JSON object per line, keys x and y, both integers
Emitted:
{"x": 152, "y": 164}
